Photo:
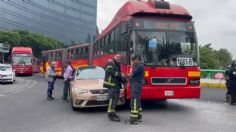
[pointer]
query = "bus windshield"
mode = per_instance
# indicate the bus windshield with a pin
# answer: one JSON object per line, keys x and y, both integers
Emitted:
{"x": 167, "y": 47}
{"x": 22, "y": 59}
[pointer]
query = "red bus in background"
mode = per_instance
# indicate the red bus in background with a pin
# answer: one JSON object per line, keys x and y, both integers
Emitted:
{"x": 23, "y": 61}
{"x": 48, "y": 57}
{"x": 164, "y": 35}
{"x": 77, "y": 55}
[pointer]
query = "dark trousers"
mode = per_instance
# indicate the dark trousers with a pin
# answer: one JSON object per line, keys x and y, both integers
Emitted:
{"x": 232, "y": 89}
{"x": 135, "y": 103}
{"x": 113, "y": 96}
{"x": 50, "y": 88}
{"x": 66, "y": 89}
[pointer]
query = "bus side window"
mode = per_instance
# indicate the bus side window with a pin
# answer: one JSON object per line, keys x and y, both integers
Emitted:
{"x": 118, "y": 40}
{"x": 102, "y": 47}
{"x": 86, "y": 52}
{"x": 112, "y": 42}
{"x": 73, "y": 54}
{"x": 49, "y": 57}
{"x": 106, "y": 45}
{"x": 69, "y": 55}
{"x": 59, "y": 56}
{"x": 77, "y": 53}
{"x": 94, "y": 50}
{"x": 99, "y": 48}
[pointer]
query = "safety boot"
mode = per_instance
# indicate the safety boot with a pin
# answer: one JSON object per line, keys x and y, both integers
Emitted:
{"x": 133, "y": 120}
{"x": 113, "y": 117}
{"x": 232, "y": 100}
{"x": 140, "y": 117}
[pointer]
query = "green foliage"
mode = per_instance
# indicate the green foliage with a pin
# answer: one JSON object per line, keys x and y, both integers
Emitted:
{"x": 36, "y": 41}
{"x": 214, "y": 59}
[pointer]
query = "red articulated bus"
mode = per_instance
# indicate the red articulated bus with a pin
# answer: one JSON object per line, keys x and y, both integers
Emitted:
{"x": 23, "y": 61}
{"x": 78, "y": 55}
{"x": 164, "y": 35}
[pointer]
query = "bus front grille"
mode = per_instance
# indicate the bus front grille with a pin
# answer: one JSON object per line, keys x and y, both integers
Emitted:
{"x": 169, "y": 81}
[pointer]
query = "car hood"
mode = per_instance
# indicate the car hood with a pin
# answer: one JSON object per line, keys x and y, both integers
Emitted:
{"x": 5, "y": 72}
{"x": 88, "y": 84}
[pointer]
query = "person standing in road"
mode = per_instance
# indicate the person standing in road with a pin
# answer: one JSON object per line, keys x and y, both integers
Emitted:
{"x": 51, "y": 78}
{"x": 67, "y": 75}
{"x": 231, "y": 83}
{"x": 136, "y": 79}
{"x": 113, "y": 81}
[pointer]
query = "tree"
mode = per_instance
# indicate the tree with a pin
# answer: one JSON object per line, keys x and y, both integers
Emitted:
{"x": 214, "y": 59}
{"x": 208, "y": 59}
{"x": 36, "y": 41}
{"x": 224, "y": 56}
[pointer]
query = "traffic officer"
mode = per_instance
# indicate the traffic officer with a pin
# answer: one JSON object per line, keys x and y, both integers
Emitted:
{"x": 231, "y": 84}
{"x": 136, "y": 79}
{"x": 51, "y": 78}
{"x": 113, "y": 81}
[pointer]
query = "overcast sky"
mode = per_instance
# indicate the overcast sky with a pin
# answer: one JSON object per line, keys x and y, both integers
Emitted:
{"x": 215, "y": 20}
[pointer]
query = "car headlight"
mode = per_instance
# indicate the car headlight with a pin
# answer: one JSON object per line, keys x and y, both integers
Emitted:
{"x": 81, "y": 91}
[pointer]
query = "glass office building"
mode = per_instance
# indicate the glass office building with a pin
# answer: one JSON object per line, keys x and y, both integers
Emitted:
{"x": 70, "y": 21}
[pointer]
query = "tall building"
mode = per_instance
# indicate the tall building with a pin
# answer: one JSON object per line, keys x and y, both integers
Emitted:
{"x": 70, "y": 21}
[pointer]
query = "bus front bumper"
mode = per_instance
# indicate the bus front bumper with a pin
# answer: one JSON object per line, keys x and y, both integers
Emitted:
{"x": 168, "y": 92}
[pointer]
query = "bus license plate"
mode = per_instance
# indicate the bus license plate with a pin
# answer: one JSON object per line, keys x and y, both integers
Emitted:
{"x": 102, "y": 98}
{"x": 184, "y": 61}
{"x": 169, "y": 93}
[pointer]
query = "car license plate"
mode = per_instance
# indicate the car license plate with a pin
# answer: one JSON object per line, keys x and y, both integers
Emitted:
{"x": 184, "y": 61}
{"x": 102, "y": 98}
{"x": 169, "y": 93}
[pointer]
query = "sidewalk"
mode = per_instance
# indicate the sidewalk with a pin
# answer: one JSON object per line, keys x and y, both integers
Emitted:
{"x": 213, "y": 83}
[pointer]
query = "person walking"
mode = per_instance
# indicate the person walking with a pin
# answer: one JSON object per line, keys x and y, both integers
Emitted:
{"x": 136, "y": 79}
{"x": 67, "y": 75}
{"x": 51, "y": 78}
{"x": 113, "y": 81}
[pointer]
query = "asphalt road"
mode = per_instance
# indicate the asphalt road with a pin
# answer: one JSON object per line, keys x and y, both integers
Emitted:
{"x": 27, "y": 110}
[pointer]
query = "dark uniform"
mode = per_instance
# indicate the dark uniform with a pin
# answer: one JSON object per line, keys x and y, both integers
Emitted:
{"x": 231, "y": 85}
{"x": 113, "y": 81}
{"x": 136, "y": 80}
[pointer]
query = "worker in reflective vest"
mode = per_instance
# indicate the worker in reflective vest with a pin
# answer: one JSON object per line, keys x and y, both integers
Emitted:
{"x": 113, "y": 80}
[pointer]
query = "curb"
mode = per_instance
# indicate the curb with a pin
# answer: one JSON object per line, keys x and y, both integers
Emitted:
{"x": 213, "y": 85}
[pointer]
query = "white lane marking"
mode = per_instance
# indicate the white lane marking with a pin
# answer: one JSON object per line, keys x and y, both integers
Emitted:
{"x": 19, "y": 87}
{"x": 28, "y": 85}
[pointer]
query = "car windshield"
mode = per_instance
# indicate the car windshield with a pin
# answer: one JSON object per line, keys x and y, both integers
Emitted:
{"x": 5, "y": 68}
{"x": 22, "y": 59}
{"x": 90, "y": 73}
